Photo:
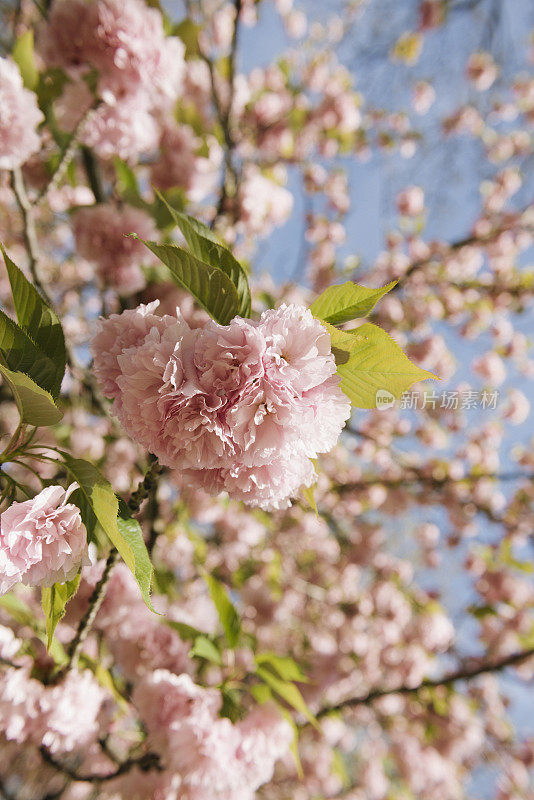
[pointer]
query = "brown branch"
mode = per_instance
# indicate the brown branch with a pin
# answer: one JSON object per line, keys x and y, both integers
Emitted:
{"x": 446, "y": 249}
{"x": 93, "y": 175}
{"x": 28, "y": 229}
{"x": 463, "y": 673}
{"x": 66, "y": 154}
{"x": 224, "y": 114}
{"x": 86, "y": 622}
{"x": 146, "y": 762}
{"x": 427, "y": 480}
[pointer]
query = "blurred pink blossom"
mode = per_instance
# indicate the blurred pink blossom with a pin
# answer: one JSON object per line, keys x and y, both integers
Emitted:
{"x": 19, "y": 117}
{"x": 101, "y": 234}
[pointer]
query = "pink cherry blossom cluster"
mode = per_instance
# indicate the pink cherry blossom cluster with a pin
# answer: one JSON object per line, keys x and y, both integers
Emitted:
{"x": 140, "y": 70}
{"x": 42, "y": 540}
{"x": 101, "y": 237}
{"x": 215, "y": 758}
{"x": 19, "y": 116}
{"x": 241, "y": 408}
{"x": 62, "y": 717}
{"x": 180, "y": 165}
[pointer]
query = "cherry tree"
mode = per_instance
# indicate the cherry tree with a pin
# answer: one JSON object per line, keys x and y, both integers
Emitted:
{"x": 265, "y": 489}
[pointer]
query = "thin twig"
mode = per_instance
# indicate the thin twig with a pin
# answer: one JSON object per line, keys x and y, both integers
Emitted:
{"x": 224, "y": 113}
{"x": 93, "y": 174}
{"x": 461, "y": 674}
{"x": 86, "y": 622}
{"x": 418, "y": 478}
{"x": 146, "y": 762}
{"x": 66, "y": 155}
{"x": 28, "y": 229}
{"x": 436, "y": 258}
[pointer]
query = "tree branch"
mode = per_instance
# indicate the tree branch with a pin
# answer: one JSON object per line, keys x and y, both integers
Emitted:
{"x": 146, "y": 762}
{"x": 28, "y": 229}
{"x": 418, "y": 477}
{"x": 224, "y": 114}
{"x": 66, "y": 155}
{"x": 461, "y": 674}
{"x": 93, "y": 175}
{"x": 436, "y": 258}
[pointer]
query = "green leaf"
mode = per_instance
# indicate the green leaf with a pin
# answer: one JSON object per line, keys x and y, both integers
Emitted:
{"x": 204, "y": 648}
{"x": 284, "y": 666}
{"x": 188, "y": 32}
{"x": 23, "y": 55}
{"x": 347, "y": 301}
{"x": 36, "y": 406}
{"x": 19, "y": 610}
{"x": 210, "y": 286}
{"x": 126, "y": 179}
{"x": 206, "y": 247}
{"x": 187, "y": 632}
{"x": 21, "y": 354}
{"x": 288, "y": 692}
{"x": 369, "y": 361}
{"x": 104, "y": 678}
{"x": 261, "y": 693}
{"x": 39, "y": 321}
{"x": 24, "y": 615}
{"x": 123, "y": 531}
{"x": 79, "y": 499}
{"x": 54, "y": 599}
{"x": 227, "y": 613}
{"x": 50, "y": 86}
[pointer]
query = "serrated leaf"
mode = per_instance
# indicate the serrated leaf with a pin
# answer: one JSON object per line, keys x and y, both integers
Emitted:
{"x": 21, "y": 354}
{"x": 288, "y": 692}
{"x": 370, "y": 361}
{"x": 54, "y": 600}
{"x": 227, "y": 613}
{"x": 79, "y": 499}
{"x": 36, "y": 406}
{"x": 284, "y": 666}
{"x": 204, "y": 648}
{"x": 348, "y": 301}
{"x": 206, "y": 247}
{"x": 210, "y": 286}
{"x": 39, "y": 321}
{"x": 24, "y": 56}
{"x": 123, "y": 531}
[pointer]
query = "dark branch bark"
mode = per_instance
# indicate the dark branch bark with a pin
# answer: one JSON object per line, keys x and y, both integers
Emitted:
{"x": 417, "y": 478}
{"x": 28, "y": 230}
{"x": 436, "y": 258}
{"x": 463, "y": 673}
{"x": 146, "y": 762}
{"x": 93, "y": 174}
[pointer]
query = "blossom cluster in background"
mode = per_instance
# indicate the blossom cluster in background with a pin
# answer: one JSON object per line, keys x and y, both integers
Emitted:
{"x": 369, "y": 141}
